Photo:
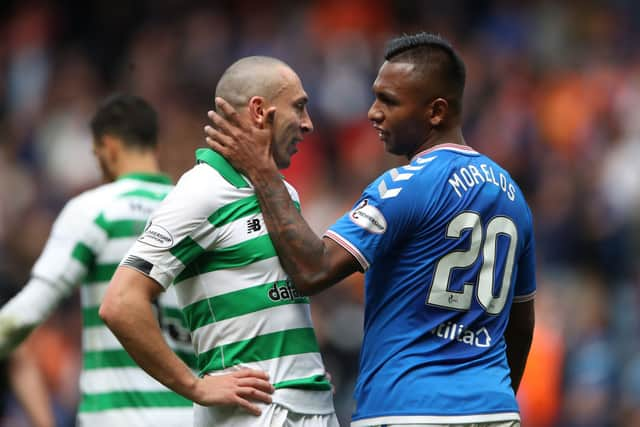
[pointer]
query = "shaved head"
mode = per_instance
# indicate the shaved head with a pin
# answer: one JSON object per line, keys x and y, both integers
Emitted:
{"x": 266, "y": 90}
{"x": 253, "y": 76}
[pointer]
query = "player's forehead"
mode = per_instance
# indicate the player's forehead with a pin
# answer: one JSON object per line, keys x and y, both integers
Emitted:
{"x": 395, "y": 76}
{"x": 292, "y": 85}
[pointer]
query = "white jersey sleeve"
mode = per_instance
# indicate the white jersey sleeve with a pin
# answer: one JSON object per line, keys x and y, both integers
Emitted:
{"x": 168, "y": 244}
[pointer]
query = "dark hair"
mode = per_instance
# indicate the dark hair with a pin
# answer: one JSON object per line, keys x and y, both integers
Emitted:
{"x": 434, "y": 57}
{"x": 129, "y": 118}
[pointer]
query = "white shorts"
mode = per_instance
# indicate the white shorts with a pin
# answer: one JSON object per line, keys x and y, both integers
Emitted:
{"x": 272, "y": 416}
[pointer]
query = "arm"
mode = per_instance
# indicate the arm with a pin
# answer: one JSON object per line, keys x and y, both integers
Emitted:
{"x": 127, "y": 311}
{"x": 313, "y": 263}
{"x": 518, "y": 337}
{"x": 28, "y": 309}
{"x": 28, "y": 386}
{"x": 58, "y": 271}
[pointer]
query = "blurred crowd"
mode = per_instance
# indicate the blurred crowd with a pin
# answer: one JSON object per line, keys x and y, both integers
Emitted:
{"x": 553, "y": 94}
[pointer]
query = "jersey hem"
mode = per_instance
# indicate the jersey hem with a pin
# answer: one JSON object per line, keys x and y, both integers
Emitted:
{"x": 436, "y": 419}
{"x": 524, "y": 298}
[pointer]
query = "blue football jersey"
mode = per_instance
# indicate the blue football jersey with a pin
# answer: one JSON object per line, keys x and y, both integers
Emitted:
{"x": 447, "y": 245}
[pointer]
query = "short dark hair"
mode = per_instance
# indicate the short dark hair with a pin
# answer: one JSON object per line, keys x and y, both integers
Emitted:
{"x": 129, "y": 118}
{"x": 433, "y": 55}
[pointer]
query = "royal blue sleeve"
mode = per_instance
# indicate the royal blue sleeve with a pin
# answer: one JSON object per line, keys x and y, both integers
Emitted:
{"x": 382, "y": 215}
{"x": 525, "y": 286}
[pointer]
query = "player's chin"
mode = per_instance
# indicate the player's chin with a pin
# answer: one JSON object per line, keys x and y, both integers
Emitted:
{"x": 391, "y": 148}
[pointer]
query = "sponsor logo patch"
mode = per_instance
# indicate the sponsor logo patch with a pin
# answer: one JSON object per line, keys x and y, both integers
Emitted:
{"x": 368, "y": 217}
{"x": 156, "y": 236}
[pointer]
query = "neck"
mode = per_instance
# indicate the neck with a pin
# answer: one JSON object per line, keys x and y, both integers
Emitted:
{"x": 138, "y": 163}
{"x": 439, "y": 137}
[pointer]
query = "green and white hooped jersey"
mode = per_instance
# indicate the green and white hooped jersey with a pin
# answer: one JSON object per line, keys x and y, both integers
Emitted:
{"x": 88, "y": 240}
{"x": 209, "y": 239}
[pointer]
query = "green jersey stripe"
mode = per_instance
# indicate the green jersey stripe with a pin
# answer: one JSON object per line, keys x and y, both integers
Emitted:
{"x": 241, "y": 208}
{"x": 173, "y": 312}
{"x": 83, "y": 254}
{"x": 107, "y": 359}
{"x": 157, "y": 178}
{"x": 121, "y": 228}
{"x": 100, "y": 273}
{"x": 92, "y": 402}
{"x": 120, "y": 359}
{"x": 240, "y": 302}
{"x": 145, "y": 194}
{"x": 189, "y": 358}
{"x": 234, "y": 210}
{"x": 234, "y": 256}
{"x": 263, "y": 347}
{"x": 187, "y": 250}
{"x": 90, "y": 317}
{"x": 315, "y": 382}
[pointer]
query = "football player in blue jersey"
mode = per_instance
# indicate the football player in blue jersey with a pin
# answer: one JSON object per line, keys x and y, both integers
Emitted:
{"x": 446, "y": 242}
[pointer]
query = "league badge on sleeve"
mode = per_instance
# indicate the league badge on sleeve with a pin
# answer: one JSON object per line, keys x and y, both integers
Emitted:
{"x": 157, "y": 236}
{"x": 368, "y": 217}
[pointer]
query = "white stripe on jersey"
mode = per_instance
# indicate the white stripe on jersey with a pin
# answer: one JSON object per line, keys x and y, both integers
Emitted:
{"x": 106, "y": 380}
{"x": 114, "y": 250}
{"x": 250, "y": 325}
{"x": 171, "y": 417}
{"x": 221, "y": 282}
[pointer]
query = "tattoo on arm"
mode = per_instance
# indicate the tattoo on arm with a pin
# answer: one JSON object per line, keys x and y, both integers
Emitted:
{"x": 300, "y": 250}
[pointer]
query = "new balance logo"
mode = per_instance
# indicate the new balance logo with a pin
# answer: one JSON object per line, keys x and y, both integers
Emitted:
{"x": 253, "y": 225}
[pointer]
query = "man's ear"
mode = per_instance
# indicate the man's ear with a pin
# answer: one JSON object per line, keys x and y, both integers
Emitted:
{"x": 112, "y": 148}
{"x": 437, "y": 111}
{"x": 257, "y": 110}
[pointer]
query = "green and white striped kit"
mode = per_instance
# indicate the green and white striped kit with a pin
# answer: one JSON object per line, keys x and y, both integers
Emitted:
{"x": 239, "y": 304}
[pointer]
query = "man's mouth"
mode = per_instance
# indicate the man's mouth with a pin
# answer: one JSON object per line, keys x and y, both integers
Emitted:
{"x": 382, "y": 134}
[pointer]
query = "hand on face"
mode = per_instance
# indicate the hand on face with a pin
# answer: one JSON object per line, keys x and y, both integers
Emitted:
{"x": 239, "y": 388}
{"x": 246, "y": 146}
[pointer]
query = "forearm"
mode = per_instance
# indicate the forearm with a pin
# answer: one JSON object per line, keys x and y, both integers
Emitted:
{"x": 518, "y": 337}
{"x": 132, "y": 321}
{"x": 25, "y": 311}
{"x": 29, "y": 388}
{"x": 302, "y": 253}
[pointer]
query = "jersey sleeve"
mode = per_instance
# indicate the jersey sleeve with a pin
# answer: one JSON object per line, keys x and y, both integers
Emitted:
{"x": 170, "y": 240}
{"x": 380, "y": 217}
{"x": 75, "y": 241}
{"x": 525, "y": 287}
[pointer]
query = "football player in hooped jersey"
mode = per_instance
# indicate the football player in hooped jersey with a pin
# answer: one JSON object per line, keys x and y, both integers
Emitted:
{"x": 446, "y": 242}
{"x": 209, "y": 240}
{"x": 88, "y": 239}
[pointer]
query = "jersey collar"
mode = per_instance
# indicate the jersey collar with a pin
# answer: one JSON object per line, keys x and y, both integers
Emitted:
{"x": 224, "y": 168}
{"x": 447, "y": 146}
{"x": 148, "y": 177}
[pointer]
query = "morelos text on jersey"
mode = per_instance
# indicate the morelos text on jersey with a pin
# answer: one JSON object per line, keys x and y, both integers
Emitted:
{"x": 447, "y": 245}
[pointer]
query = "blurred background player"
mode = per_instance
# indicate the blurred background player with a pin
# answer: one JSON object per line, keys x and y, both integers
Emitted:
{"x": 87, "y": 241}
{"x": 21, "y": 377}
{"x": 239, "y": 303}
{"x": 446, "y": 242}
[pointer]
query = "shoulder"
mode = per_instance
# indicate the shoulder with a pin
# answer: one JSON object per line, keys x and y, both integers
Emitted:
{"x": 90, "y": 203}
{"x": 202, "y": 190}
